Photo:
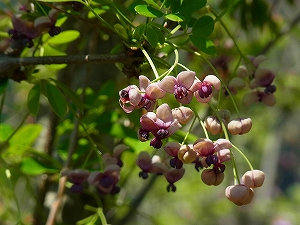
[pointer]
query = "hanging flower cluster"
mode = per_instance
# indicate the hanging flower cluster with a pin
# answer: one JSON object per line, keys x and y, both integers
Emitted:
{"x": 160, "y": 122}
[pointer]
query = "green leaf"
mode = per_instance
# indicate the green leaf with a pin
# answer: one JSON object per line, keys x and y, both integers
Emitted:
{"x": 148, "y": 11}
{"x": 32, "y": 167}
{"x": 152, "y": 3}
{"x": 204, "y": 26}
{"x": 60, "y": 1}
{"x": 70, "y": 94}
{"x": 26, "y": 135}
{"x": 175, "y": 17}
{"x": 5, "y": 131}
{"x": 189, "y": 6}
{"x": 64, "y": 37}
{"x": 204, "y": 44}
{"x": 151, "y": 36}
{"x": 50, "y": 51}
{"x": 56, "y": 99}
{"x": 159, "y": 34}
{"x": 33, "y": 99}
{"x": 139, "y": 31}
{"x": 121, "y": 30}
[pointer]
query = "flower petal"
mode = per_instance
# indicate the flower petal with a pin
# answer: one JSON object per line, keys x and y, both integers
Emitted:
{"x": 168, "y": 84}
{"x": 153, "y": 92}
{"x": 174, "y": 127}
{"x": 134, "y": 97}
{"x": 214, "y": 81}
{"x": 202, "y": 100}
{"x": 144, "y": 82}
{"x": 148, "y": 120}
{"x": 186, "y": 78}
{"x": 187, "y": 99}
{"x": 172, "y": 148}
{"x": 164, "y": 113}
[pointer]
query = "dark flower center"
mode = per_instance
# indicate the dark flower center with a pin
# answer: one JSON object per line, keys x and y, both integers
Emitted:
{"x": 162, "y": 133}
{"x": 124, "y": 94}
{"x": 106, "y": 181}
{"x": 180, "y": 91}
{"x": 156, "y": 143}
{"x": 205, "y": 89}
{"x": 211, "y": 159}
{"x": 145, "y": 103}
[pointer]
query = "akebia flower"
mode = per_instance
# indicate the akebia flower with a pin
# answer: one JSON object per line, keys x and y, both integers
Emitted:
{"x": 203, "y": 90}
{"x": 77, "y": 178}
{"x": 179, "y": 86}
{"x": 161, "y": 124}
{"x": 172, "y": 175}
{"x": 133, "y": 97}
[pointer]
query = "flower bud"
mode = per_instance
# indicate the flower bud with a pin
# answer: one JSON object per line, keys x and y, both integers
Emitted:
{"x": 239, "y": 194}
{"x": 240, "y": 126}
{"x": 258, "y": 60}
{"x": 213, "y": 125}
{"x": 268, "y": 99}
{"x": 186, "y": 154}
{"x": 209, "y": 177}
{"x": 253, "y": 178}
{"x": 183, "y": 114}
{"x": 242, "y": 71}
{"x": 235, "y": 84}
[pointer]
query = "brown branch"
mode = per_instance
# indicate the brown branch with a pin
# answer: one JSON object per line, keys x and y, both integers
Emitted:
{"x": 9, "y": 64}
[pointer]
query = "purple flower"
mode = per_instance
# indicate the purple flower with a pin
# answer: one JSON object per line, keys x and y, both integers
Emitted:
{"x": 179, "y": 86}
{"x": 161, "y": 124}
{"x": 203, "y": 90}
{"x": 133, "y": 97}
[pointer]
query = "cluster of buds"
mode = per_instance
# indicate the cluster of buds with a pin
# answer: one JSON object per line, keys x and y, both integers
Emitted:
{"x": 105, "y": 181}
{"x": 242, "y": 194}
{"x": 26, "y": 30}
{"x": 258, "y": 79}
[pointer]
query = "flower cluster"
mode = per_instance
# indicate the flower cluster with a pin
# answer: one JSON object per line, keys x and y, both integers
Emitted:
{"x": 105, "y": 181}
{"x": 159, "y": 122}
{"x": 25, "y": 30}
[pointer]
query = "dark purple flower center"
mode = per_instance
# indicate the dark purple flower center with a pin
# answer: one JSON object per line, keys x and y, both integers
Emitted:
{"x": 180, "y": 91}
{"x": 124, "y": 94}
{"x": 205, "y": 89}
{"x": 106, "y": 181}
{"x": 156, "y": 143}
{"x": 176, "y": 163}
{"x": 54, "y": 31}
{"x": 162, "y": 133}
{"x": 219, "y": 168}
{"x": 143, "y": 134}
{"x": 211, "y": 159}
{"x": 145, "y": 103}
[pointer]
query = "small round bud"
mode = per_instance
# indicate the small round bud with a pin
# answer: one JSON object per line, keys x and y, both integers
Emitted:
{"x": 253, "y": 178}
{"x": 213, "y": 125}
{"x": 242, "y": 71}
{"x": 268, "y": 99}
{"x": 186, "y": 154}
{"x": 183, "y": 114}
{"x": 209, "y": 177}
{"x": 239, "y": 194}
{"x": 240, "y": 126}
{"x": 235, "y": 84}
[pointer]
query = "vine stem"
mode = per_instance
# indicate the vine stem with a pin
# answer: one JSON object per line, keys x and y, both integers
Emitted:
{"x": 150, "y": 62}
{"x": 189, "y": 131}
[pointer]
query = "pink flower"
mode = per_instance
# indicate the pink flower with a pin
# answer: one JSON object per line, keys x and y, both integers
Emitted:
{"x": 203, "y": 90}
{"x": 161, "y": 124}
{"x": 179, "y": 86}
{"x": 133, "y": 97}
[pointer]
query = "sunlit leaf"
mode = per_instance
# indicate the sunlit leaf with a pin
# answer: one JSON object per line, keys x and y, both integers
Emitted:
{"x": 26, "y": 135}
{"x": 56, "y": 99}
{"x": 148, "y": 11}
{"x": 33, "y": 99}
{"x": 32, "y": 167}
{"x": 174, "y": 17}
{"x": 204, "y": 44}
{"x": 152, "y": 3}
{"x": 64, "y": 37}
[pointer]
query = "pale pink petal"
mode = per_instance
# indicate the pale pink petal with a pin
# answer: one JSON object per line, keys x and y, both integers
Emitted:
{"x": 187, "y": 99}
{"x": 214, "y": 81}
{"x": 224, "y": 155}
{"x": 148, "y": 121}
{"x": 164, "y": 113}
{"x": 144, "y": 82}
{"x": 186, "y": 78}
{"x": 195, "y": 86}
{"x": 222, "y": 143}
{"x": 174, "y": 127}
{"x": 168, "y": 84}
{"x": 134, "y": 97}
{"x": 153, "y": 92}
